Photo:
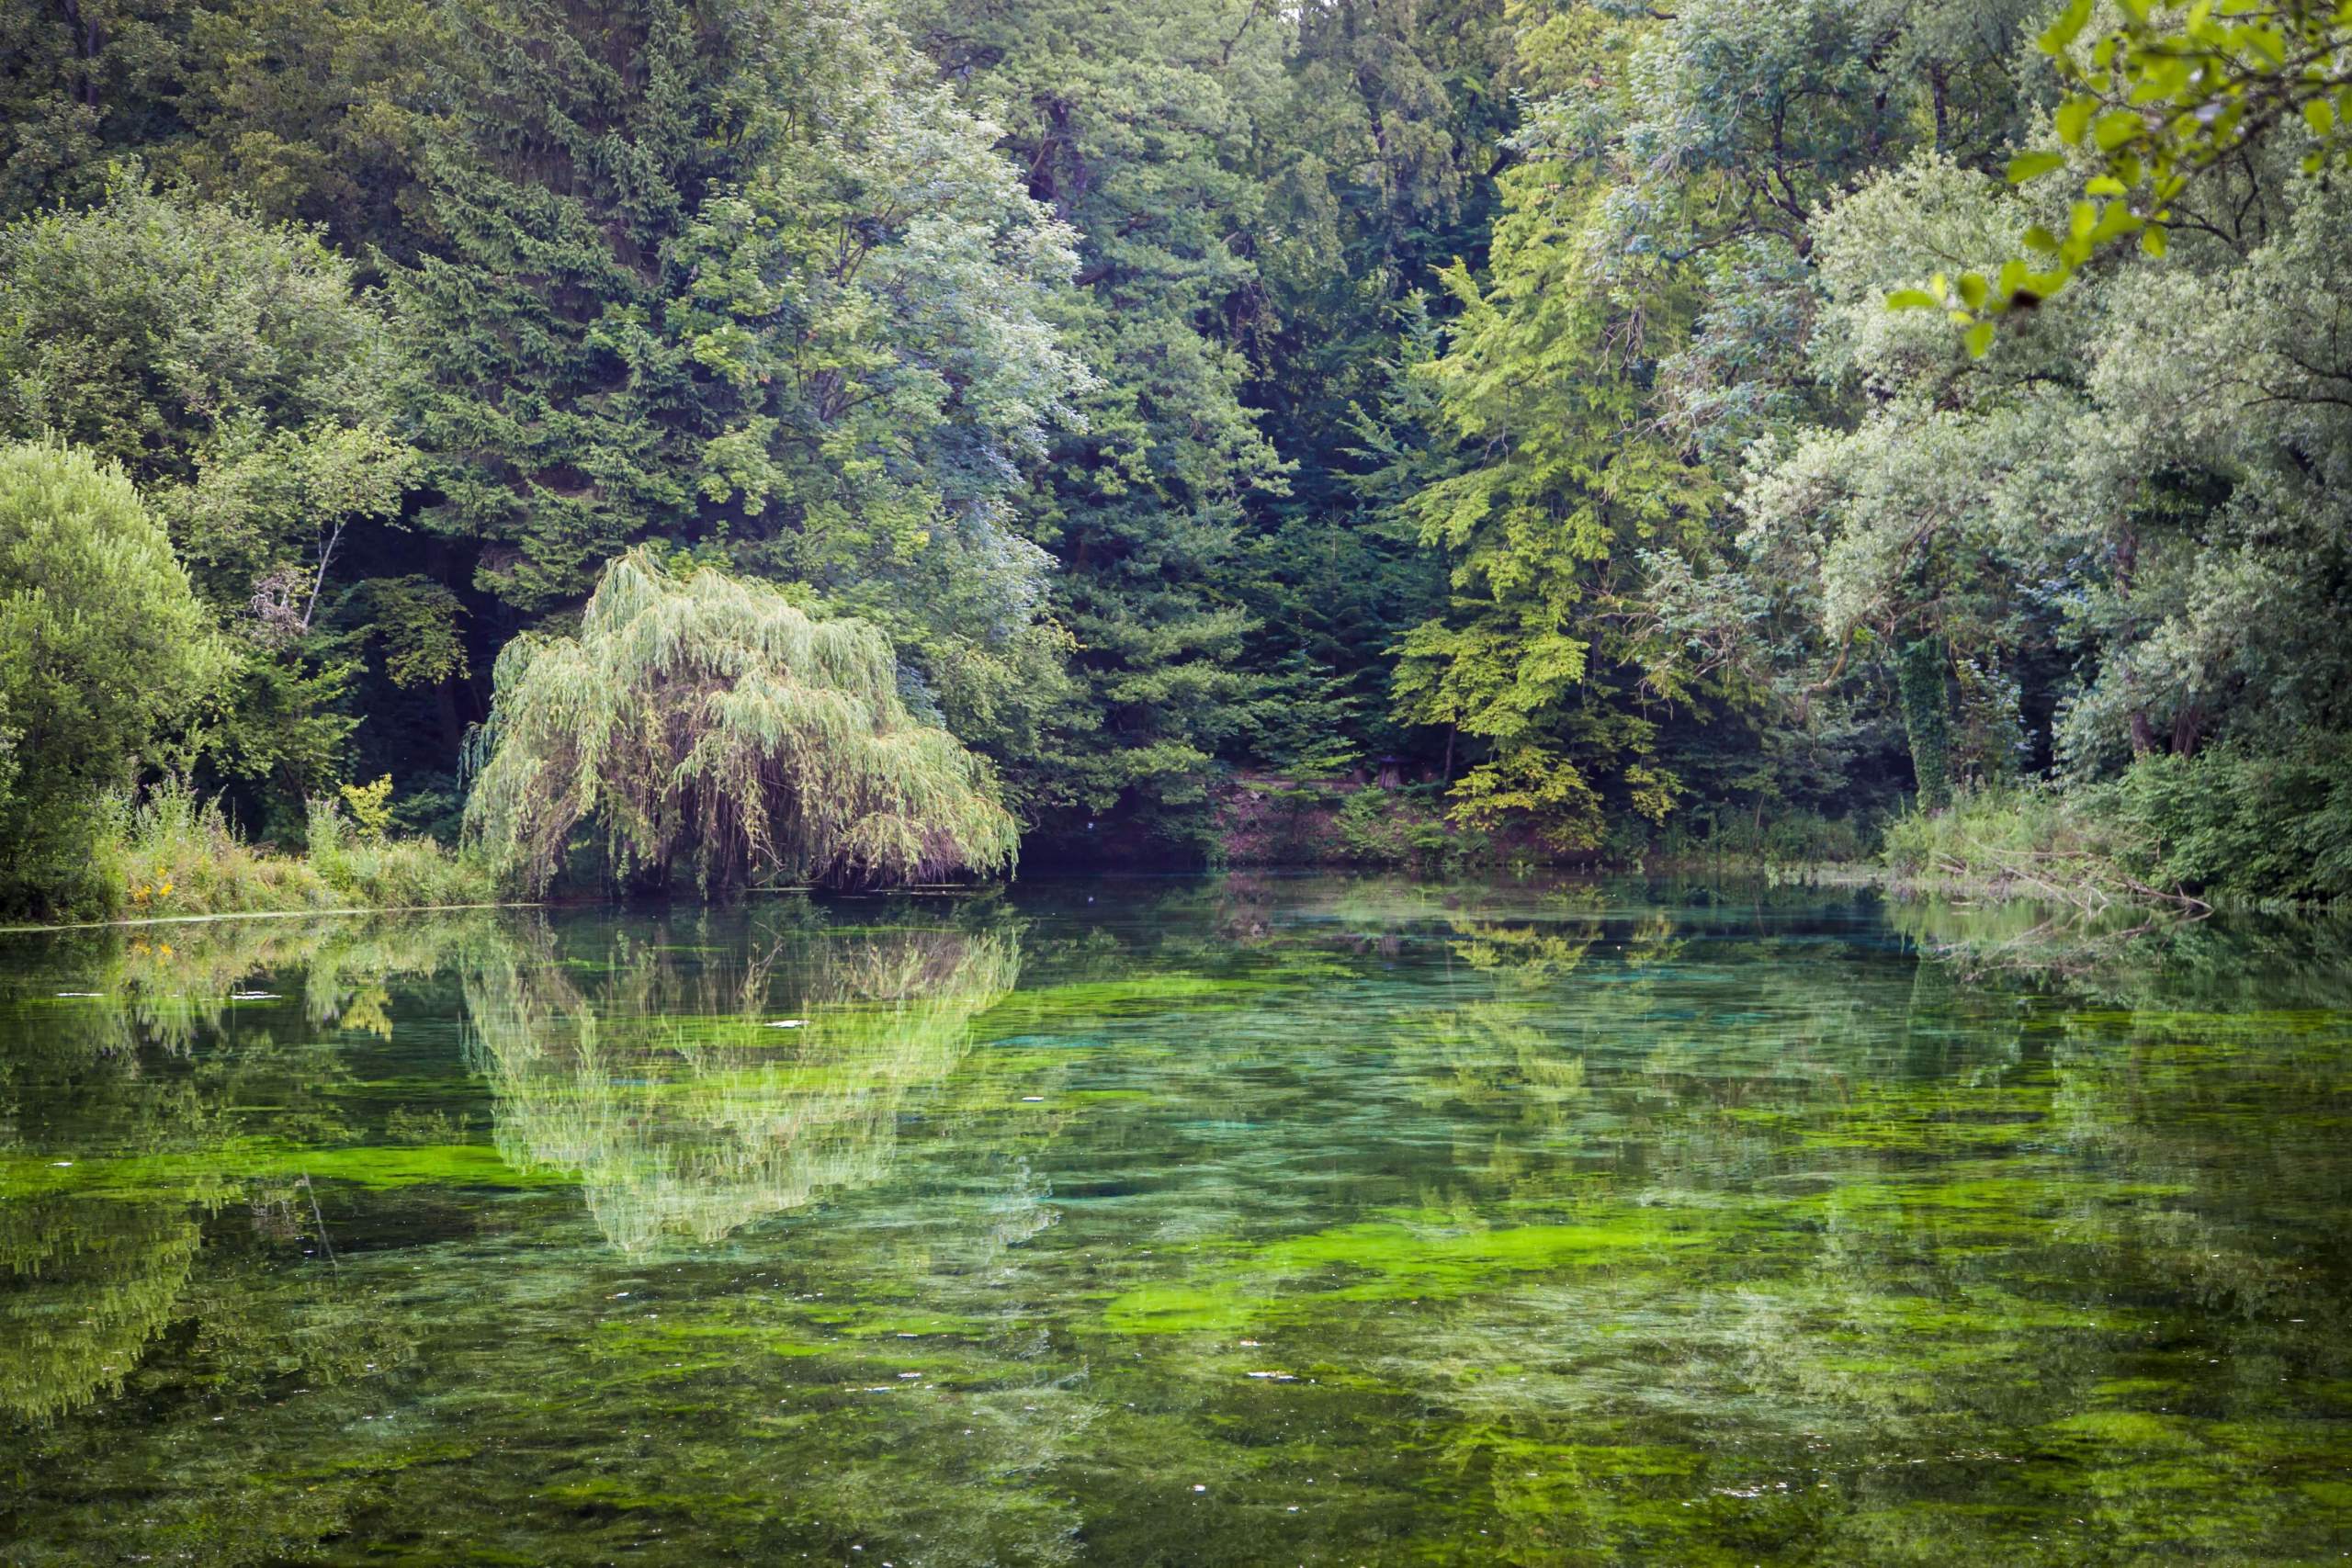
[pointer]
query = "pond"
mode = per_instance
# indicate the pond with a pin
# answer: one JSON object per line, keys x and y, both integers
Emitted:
{"x": 1219, "y": 1220}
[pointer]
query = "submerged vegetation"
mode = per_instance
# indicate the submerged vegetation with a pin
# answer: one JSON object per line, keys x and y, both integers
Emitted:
{"x": 1614, "y": 435}
{"x": 1517, "y": 1221}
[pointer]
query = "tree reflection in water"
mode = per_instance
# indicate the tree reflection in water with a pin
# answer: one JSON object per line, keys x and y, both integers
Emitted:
{"x": 1267, "y": 1220}
{"x": 692, "y": 1091}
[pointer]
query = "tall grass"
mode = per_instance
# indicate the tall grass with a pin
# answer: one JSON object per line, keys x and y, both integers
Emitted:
{"x": 2015, "y": 842}
{"x": 2220, "y": 827}
{"x": 171, "y": 852}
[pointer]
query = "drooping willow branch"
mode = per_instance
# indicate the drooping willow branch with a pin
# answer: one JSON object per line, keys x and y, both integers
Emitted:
{"x": 699, "y": 719}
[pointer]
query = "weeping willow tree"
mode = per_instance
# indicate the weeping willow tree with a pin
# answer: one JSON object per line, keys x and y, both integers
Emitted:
{"x": 699, "y": 717}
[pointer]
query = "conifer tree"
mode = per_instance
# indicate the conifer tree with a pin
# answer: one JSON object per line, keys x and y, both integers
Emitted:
{"x": 1133, "y": 123}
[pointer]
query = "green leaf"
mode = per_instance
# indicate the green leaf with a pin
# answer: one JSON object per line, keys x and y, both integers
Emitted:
{"x": 2116, "y": 220}
{"x": 1911, "y": 300}
{"x": 2114, "y": 129}
{"x": 2074, "y": 118}
{"x": 2066, "y": 29}
{"x": 2033, "y": 166}
{"x": 2104, "y": 184}
{"x": 1973, "y": 290}
{"x": 2152, "y": 240}
{"x": 2320, "y": 115}
{"x": 1978, "y": 338}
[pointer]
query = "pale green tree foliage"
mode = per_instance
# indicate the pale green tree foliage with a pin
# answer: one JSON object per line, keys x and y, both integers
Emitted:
{"x": 104, "y": 651}
{"x": 699, "y": 719}
{"x": 1734, "y": 123}
{"x": 1560, "y": 485}
{"x": 1920, "y": 525}
{"x": 1651, "y": 294}
{"x": 236, "y": 372}
{"x": 1544, "y": 535}
{"x": 2148, "y": 483}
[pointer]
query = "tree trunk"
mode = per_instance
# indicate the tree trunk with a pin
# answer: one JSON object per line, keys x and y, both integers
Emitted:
{"x": 1919, "y": 680}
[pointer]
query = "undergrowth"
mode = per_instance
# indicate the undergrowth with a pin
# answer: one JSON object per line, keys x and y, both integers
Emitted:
{"x": 2220, "y": 827}
{"x": 170, "y": 852}
{"x": 1792, "y": 839}
{"x": 1405, "y": 828}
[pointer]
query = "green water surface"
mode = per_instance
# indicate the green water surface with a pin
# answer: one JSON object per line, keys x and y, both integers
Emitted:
{"x": 1199, "y": 1222}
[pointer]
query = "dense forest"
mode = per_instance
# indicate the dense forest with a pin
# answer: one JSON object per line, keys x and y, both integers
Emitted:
{"x": 713, "y": 441}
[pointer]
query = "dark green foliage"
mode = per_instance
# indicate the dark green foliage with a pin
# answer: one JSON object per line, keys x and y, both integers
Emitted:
{"x": 1920, "y": 676}
{"x": 81, "y": 81}
{"x": 563, "y": 426}
{"x": 308, "y": 109}
{"x": 740, "y": 278}
{"x": 2239, "y": 825}
{"x": 1134, "y": 123}
{"x": 104, "y": 650}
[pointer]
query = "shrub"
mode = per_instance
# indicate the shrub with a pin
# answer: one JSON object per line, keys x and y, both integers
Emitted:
{"x": 2244, "y": 826}
{"x": 367, "y": 868}
{"x": 1986, "y": 834}
{"x": 2223, "y": 825}
{"x": 104, "y": 649}
{"x": 169, "y": 851}
{"x": 1402, "y": 828}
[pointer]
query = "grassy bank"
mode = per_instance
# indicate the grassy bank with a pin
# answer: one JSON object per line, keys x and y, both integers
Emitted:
{"x": 1295, "y": 824}
{"x": 2186, "y": 832}
{"x": 2222, "y": 828}
{"x": 172, "y": 854}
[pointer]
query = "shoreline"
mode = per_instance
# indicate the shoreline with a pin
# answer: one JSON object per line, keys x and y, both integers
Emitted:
{"x": 265, "y": 915}
{"x": 1894, "y": 884}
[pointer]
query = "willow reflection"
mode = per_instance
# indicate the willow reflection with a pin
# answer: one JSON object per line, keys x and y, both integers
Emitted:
{"x": 692, "y": 1089}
